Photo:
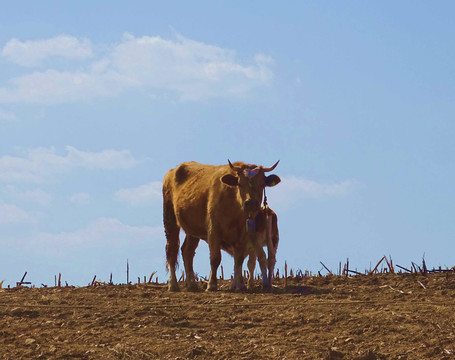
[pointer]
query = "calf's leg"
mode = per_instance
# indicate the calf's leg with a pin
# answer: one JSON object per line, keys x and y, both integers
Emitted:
{"x": 251, "y": 266}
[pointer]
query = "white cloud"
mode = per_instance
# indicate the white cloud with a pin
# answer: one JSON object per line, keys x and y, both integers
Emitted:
{"x": 106, "y": 159}
{"x": 40, "y": 164}
{"x": 32, "y": 52}
{"x": 314, "y": 189}
{"x": 102, "y": 232}
{"x": 147, "y": 194}
{"x": 36, "y": 196}
{"x": 291, "y": 189}
{"x": 54, "y": 87}
{"x": 191, "y": 69}
{"x": 7, "y": 116}
{"x": 80, "y": 199}
{"x": 12, "y": 214}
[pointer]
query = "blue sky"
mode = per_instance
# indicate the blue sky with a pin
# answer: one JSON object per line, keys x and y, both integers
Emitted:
{"x": 98, "y": 100}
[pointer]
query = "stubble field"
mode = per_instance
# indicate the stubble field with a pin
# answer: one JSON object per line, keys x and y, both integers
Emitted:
{"x": 381, "y": 316}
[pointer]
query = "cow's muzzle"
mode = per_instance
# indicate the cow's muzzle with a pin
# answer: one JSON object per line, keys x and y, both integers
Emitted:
{"x": 252, "y": 205}
{"x": 250, "y": 225}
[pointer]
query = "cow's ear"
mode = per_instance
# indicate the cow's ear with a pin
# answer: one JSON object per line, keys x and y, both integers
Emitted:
{"x": 272, "y": 180}
{"x": 230, "y": 180}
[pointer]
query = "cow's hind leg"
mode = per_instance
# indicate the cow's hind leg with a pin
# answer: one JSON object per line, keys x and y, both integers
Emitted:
{"x": 188, "y": 251}
{"x": 173, "y": 243}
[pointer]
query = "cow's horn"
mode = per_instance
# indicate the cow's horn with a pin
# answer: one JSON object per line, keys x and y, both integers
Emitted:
{"x": 235, "y": 168}
{"x": 271, "y": 168}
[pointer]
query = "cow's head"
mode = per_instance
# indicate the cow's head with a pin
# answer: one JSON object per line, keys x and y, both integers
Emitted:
{"x": 251, "y": 181}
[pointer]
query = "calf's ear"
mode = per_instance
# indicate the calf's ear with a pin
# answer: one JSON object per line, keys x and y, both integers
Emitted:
{"x": 230, "y": 180}
{"x": 272, "y": 180}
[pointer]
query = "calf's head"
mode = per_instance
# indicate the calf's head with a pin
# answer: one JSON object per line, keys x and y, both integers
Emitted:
{"x": 250, "y": 181}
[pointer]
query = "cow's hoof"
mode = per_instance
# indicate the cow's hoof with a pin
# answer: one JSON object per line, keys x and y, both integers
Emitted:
{"x": 266, "y": 287}
{"x": 211, "y": 287}
{"x": 192, "y": 287}
{"x": 239, "y": 288}
{"x": 173, "y": 287}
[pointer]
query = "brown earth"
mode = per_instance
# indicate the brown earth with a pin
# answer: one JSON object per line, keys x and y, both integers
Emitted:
{"x": 363, "y": 318}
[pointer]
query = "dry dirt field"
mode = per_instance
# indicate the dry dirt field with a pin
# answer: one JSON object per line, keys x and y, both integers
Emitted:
{"x": 381, "y": 316}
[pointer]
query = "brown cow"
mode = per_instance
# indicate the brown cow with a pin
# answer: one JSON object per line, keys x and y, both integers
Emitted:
{"x": 214, "y": 203}
{"x": 265, "y": 235}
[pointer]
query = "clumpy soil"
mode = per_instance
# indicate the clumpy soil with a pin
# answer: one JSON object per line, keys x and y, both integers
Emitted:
{"x": 381, "y": 316}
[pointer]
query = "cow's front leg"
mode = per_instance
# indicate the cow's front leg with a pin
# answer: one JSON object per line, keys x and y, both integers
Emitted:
{"x": 188, "y": 251}
{"x": 237, "y": 282}
{"x": 215, "y": 260}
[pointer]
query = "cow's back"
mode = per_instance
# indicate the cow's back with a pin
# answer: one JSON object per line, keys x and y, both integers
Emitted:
{"x": 189, "y": 188}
